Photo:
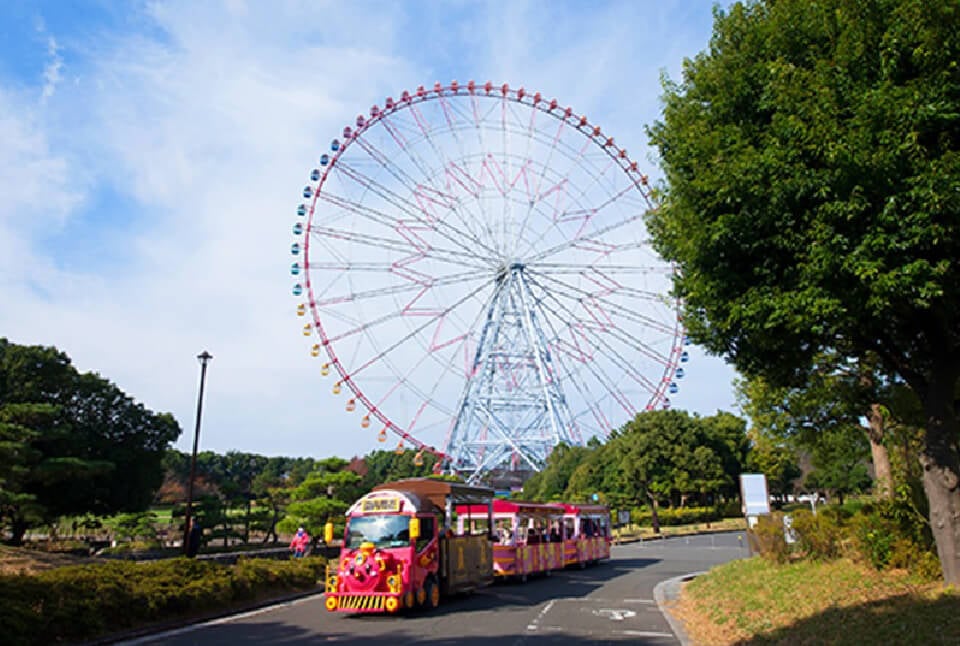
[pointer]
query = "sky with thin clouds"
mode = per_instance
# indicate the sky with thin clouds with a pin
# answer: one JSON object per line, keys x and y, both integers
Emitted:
{"x": 153, "y": 155}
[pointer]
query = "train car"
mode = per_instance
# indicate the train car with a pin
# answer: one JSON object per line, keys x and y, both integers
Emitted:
{"x": 529, "y": 537}
{"x": 586, "y": 534}
{"x": 402, "y": 549}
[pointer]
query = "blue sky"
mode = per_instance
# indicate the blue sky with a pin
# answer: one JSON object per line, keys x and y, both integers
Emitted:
{"x": 152, "y": 153}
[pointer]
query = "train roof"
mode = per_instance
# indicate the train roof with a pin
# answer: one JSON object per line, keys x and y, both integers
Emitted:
{"x": 501, "y": 506}
{"x": 585, "y": 509}
{"x": 438, "y": 491}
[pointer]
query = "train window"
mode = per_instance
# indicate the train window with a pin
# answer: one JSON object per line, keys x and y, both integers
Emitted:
{"x": 568, "y": 528}
{"x": 428, "y": 529}
{"x": 479, "y": 527}
{"x": 504, "y": 528}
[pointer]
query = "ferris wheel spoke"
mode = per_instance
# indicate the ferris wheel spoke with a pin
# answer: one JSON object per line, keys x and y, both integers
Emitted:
{"x": 411, "y": 255}
{"x": 592, "y": 238}
{"x": 601, "y": 321}
{"x": 613, "y": 355}
{"x": 575, "y": 268}
{"x": 585, "y": 215}
{"x": 538, "y": 186}
{"x": 425, "y": 198}
{"x": 445, "y": 164}
{"x": 430, "y": 320}
{"x": 452, "y": 279}
{"x": 606, "y": 305}
{"x": 462, "y": 175}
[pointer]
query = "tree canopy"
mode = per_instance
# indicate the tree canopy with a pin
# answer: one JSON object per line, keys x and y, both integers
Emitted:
{"x": 658, "y": 456}
{"x": 75, "y": 441}
{"x": 811, "y": 158}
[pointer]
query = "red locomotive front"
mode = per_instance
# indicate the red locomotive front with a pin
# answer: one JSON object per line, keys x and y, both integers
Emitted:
{"x": 402, "y": 550}
{"x": 389, "y": 558}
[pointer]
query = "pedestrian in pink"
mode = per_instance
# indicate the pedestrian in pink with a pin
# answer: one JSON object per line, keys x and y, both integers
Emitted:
{"x": 300, "y": 543}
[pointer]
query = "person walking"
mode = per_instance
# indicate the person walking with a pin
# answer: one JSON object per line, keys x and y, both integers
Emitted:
{"x": 300, "y": 543}
{"x": 194, "y": 538}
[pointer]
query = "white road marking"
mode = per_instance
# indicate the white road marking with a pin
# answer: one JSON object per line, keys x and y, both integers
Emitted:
{"x": 615, "y": 614}
{"x": 533, "y": 624}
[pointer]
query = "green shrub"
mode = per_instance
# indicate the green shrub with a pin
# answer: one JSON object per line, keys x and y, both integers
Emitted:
{"x": 767, "y": 538}
{"x": 81, "y": 602}
{"x": 821, "y": 535}
{"x": 730, "y": 509}
{"x": 873, "y": 537}
{"x": 922, "y": 563}
{"x": 672, "y": 516}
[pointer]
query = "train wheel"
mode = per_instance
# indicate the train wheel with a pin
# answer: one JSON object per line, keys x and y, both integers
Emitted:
{"x": 433, "y": 594}
{"x": 421, "y": 597}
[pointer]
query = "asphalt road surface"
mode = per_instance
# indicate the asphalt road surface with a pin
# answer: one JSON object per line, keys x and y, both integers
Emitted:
{"x": 605, "y": 604}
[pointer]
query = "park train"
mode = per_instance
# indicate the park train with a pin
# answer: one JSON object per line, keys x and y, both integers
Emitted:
{"x": 411, "y": 542}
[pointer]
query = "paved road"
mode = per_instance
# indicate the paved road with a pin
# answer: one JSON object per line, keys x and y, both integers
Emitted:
{"x": 609, "y": 603}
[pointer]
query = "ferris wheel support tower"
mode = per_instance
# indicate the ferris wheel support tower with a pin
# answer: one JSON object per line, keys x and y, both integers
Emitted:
{"x": 513, "y": 410}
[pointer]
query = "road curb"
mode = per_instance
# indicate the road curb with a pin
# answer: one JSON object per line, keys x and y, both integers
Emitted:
{"x": 668, "y": 591}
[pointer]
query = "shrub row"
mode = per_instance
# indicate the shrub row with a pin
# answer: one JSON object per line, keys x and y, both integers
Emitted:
{"x": 880, "y": 535}
{"x": 82, "y": 602}
{"x": 671, "y": 516}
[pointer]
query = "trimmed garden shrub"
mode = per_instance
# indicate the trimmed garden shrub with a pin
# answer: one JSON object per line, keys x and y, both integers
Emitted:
{"x": 82, "y": 602}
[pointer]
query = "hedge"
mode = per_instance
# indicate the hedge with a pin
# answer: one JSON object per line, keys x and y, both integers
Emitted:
{"x": 77, "y": 603}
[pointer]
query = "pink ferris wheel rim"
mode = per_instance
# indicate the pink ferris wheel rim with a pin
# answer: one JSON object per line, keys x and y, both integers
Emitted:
{"x": 352, "y": 133}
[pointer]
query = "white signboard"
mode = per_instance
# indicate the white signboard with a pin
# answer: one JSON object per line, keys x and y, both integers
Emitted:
{"x": 753, "y": 493}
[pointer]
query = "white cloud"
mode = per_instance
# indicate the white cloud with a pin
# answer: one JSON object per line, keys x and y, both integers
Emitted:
{"x": 208, "y": 122}
{"x": 51, "y": 73}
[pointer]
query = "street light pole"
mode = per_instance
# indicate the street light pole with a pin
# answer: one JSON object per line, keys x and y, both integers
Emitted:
{"x": 204, "y": 358}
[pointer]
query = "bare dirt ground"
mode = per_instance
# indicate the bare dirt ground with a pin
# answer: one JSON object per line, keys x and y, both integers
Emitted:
{"x": 22, "y": 560}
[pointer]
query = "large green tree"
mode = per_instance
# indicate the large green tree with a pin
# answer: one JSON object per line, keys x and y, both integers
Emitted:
{"x": 830, "y": 402}
{"x": 812, "y": 158}
{"x": 323, "y": 496}
{"x": 670, "y": 455}
{"x": 80, "y": 443}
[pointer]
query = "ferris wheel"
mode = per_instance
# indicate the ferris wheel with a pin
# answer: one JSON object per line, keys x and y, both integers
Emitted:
{"x": 477, "y": 280}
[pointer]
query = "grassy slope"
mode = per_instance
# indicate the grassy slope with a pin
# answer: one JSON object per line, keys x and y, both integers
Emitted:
{"x": 757, "y": 602}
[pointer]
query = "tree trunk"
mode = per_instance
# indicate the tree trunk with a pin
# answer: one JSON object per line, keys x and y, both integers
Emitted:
{"x": 940, "y": 460}
{"x": 654, "y": 518}
{"x": 883, "y": 474}
{"x": 272, "y": 531}
{"x": 18, "y": 529}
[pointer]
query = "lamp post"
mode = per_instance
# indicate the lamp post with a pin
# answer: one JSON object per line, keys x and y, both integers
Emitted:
{"x": 204, "y": 358}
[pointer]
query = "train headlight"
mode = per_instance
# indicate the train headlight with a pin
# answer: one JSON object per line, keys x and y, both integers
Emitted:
{"x": 392, "y": 581}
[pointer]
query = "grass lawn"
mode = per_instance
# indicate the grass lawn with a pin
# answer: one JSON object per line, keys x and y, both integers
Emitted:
{"x": 754, "y": 601}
